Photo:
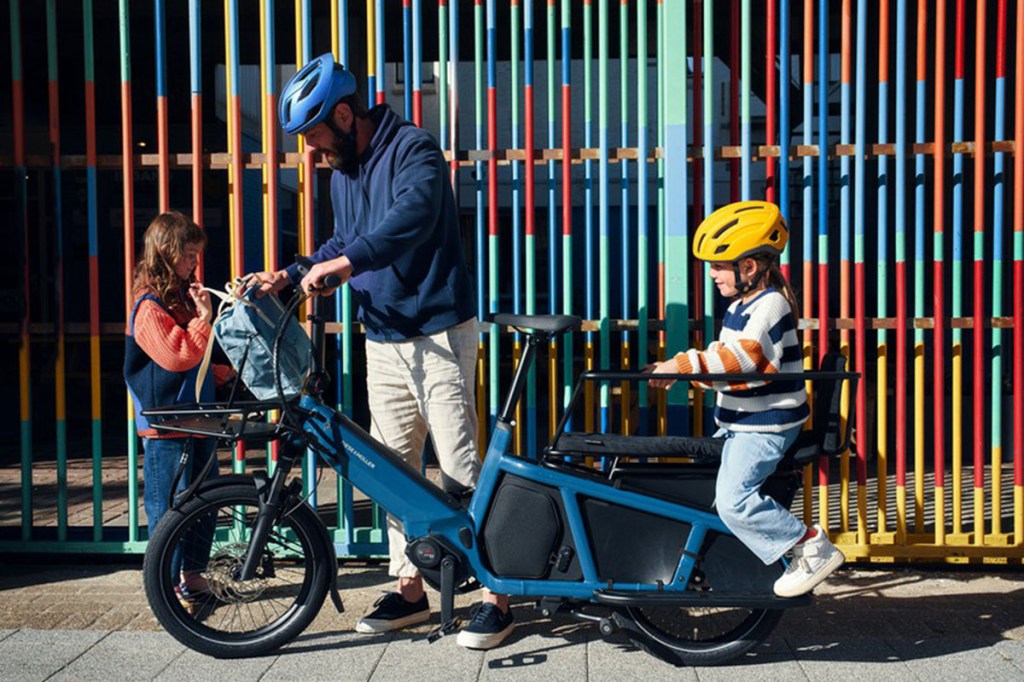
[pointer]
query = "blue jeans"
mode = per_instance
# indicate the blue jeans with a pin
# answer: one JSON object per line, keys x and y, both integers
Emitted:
{"x": 762, "y": 524}
{"x": 159, "y": 465}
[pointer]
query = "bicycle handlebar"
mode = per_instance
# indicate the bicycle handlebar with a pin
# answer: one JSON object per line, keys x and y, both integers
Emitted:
{"x": 614, "y": 375}
{"x": 317, "y": 323}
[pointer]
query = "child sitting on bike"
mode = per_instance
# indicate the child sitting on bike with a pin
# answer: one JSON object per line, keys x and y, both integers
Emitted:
{"x": 759, "y": 420}
{"x": 165, "y": 342}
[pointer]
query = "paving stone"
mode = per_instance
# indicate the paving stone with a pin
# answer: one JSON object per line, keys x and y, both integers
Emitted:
{"x": 616, "y": 658}
{"x": 38, "y": 654}
{"x": 1012, "y": 651}
{"x": 189, "y": 666}
{"x": 538, "y": 648}
{"x": 963, "y": 657}
{"x": 410, "y": 657}
{"x": 124, "y": 656}
{"x": 847, "y": 657}
{"x": 336, "y": 656}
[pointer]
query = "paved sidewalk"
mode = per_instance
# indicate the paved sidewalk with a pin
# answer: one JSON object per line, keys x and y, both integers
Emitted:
{"x": 64, "y": 622}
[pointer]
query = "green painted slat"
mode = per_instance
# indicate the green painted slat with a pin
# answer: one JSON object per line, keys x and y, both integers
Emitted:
{"x": 677, "y": 234}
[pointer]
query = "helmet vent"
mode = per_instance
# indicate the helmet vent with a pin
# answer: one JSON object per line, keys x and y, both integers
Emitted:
{"x": 722, "y": 248}
{"x": 311, "y": 114}
{"x": 725, "y": 228}
{"x": 747, "y": 208}
{"x": 774, "y": 236}
{"x": 308, "y": 87}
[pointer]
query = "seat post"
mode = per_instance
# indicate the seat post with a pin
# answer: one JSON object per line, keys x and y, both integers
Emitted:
{"x": 519, "y": 380}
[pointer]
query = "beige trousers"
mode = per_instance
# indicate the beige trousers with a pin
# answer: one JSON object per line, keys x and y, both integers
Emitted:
{"x": 421, "y": 386}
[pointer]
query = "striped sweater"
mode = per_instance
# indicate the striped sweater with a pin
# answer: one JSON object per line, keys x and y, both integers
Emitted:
{"x": 758, "y": 336}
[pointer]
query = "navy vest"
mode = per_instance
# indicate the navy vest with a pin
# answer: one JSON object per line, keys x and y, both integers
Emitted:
{"x": 150, "y": 384}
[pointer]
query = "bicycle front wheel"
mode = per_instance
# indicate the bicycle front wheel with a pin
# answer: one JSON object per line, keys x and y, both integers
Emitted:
{"x": 213, "y": 611}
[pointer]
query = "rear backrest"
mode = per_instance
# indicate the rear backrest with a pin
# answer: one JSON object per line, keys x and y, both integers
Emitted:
{"x": 828, "y": 396}
{"x": 828, "y": 434}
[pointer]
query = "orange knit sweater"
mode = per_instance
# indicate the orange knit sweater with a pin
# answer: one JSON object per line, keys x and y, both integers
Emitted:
{"x": 175, "y": 342}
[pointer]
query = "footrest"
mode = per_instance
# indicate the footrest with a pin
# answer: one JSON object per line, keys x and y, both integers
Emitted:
{"x": 705, "y": 450}
{"x": 705, "y": 599}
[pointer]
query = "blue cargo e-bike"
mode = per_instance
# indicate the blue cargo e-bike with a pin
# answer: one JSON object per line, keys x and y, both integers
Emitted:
{"x": 634, "y": 546}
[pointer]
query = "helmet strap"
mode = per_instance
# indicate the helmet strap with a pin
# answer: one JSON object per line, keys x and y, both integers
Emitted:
{"x": 350, "y": 165}
{"x": 349, "y": 137}
{"x": 745, "y": 288}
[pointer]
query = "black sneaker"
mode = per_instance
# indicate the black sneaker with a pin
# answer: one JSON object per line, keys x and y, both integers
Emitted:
{"x": 488, "y": 628}
{"x": 392, "y": 612}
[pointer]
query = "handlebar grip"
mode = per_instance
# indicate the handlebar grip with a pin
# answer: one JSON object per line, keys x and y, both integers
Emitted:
{"x": 332, "y": 282}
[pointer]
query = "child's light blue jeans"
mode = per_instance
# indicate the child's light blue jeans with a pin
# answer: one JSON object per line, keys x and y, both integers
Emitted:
{"x": 761, "y": 523}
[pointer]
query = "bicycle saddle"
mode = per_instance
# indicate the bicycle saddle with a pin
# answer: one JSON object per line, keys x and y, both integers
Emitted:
{"x": 548, "y": 325}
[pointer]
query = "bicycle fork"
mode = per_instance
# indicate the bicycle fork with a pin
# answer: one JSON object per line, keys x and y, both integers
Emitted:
{"x": 273, "y": 494}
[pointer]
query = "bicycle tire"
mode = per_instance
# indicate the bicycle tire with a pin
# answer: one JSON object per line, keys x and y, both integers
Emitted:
{"x": 696, "y": 643}
{"x": 222, "y": 621}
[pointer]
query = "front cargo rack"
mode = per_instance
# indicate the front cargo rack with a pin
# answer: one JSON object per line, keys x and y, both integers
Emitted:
{"x": 233, "y": 422}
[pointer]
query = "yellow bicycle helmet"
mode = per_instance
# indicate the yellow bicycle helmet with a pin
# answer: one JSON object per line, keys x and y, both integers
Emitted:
{"x": 740, "y": 230}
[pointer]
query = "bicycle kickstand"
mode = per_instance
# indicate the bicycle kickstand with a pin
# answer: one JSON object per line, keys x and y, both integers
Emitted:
{"x": 449, "y": 623}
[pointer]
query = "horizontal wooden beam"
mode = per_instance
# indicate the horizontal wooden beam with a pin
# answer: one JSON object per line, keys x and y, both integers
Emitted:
{"x": 468, "y": 157}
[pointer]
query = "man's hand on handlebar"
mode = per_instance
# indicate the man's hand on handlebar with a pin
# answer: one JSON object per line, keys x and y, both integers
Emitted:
{"x": 324, "y": 278}
{"x": 269, "y": 282}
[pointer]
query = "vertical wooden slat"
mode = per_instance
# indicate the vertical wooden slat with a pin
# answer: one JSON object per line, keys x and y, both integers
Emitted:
{"x": 860, "y": 312}
{"x": 59, "y": 375}
{"x": 21, "y": 216}
{"x": 95, "y": 377}
{"x": 128, "y": 194}
{"x": 938, "y": 285}
{"x": 900, "y": 217}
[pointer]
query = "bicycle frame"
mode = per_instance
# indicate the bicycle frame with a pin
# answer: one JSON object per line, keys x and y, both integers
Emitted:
{"x": 635, "y": 536}
{"x": 668, "y": 536}
{"x": 424, "y": 509}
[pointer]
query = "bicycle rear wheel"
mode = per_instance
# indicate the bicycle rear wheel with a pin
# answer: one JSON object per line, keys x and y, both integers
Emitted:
{"x": 697, "y": 636}
{"x": 227, "y": 617}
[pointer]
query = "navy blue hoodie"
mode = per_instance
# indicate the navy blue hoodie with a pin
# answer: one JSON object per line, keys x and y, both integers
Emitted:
{"x": 398, "y": 224}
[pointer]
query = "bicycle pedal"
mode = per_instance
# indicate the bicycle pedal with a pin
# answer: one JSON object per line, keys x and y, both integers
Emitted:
{"x": 443, "y": 629}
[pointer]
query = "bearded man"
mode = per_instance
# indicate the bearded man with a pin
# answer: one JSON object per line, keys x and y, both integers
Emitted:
{"x": 396, "y": 242}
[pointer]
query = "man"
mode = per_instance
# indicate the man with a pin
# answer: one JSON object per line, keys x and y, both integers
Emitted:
{"x": 396, "y": 241}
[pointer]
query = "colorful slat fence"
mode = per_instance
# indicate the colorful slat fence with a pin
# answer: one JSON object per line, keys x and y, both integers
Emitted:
{"x": 698, "y": 97}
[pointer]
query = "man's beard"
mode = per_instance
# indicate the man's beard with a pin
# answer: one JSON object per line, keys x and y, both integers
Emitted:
{"x": 342, "y": 154}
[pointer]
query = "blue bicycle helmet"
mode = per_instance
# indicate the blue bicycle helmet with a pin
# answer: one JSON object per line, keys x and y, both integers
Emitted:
{"x": 312, "y": 92}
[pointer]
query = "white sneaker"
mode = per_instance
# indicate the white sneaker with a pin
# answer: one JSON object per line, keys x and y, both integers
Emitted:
{"x": 812, "y": 561}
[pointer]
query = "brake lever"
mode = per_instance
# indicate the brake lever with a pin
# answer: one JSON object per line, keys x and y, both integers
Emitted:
{"x": 304, "y": 265}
